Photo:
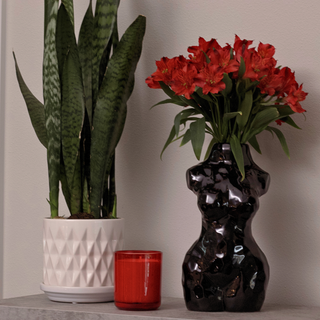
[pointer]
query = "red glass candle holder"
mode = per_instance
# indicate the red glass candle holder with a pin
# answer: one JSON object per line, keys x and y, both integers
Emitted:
{"x": 137, "y": 279}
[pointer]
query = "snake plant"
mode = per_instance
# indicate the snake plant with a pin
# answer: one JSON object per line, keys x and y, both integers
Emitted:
{"x": 86, "y": 85}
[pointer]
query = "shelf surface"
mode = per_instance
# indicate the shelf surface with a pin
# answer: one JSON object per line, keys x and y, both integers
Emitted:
{"x": 40, "y": 307}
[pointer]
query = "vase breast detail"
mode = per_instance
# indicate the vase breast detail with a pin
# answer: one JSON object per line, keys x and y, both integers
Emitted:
{"x": 225, "y": 270}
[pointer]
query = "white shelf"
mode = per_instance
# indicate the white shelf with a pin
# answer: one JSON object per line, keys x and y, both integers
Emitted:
{"x": 40, "y": 307}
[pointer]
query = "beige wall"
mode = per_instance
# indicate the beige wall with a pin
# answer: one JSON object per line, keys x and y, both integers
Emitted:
{"x": 160, "y": 212}
{"x": 2, "y": 20}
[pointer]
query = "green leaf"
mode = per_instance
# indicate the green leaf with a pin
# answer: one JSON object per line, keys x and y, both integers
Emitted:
{"x": 112, "y": 188}
{"x": 228, "y": 82}
{"x": 52, "y": 103}
{"x": 35, "y": 108}
{"x": 242, "y": 68}
{"x": 85, "y": 55}
{"x": 49, "y": 6}
{"x": 254, "y": 142}
{"x": 211, "y": 144}
{"x": 64, "y": 185}
{"x": 237, "y": 153}
{"x": 174, "y": 101}
{"x": 281, "y": 138}
{"x": 111, "y": 107}
{"x": 230, "y": 115}
{"x": 260, "y": 123}
{"x": 104, "y": 20}
{"x": 186, "y": 138}
{"x": 177, "y": 123}
{"x": 72, "y": 113}
{"x": 203, "y": 102}
{"x": 85, "y": 199}
{"x": 167, "y": 90}
{"x": 284, "y": 111}
{"x": 290, "y": 121}
{"x": 169, "y": 140}
{"x": 69, "y": 7}
{"x": 76, "y": 194}
{"x": 204, "y": 96}
{"x": 114, "y": 209}
{"x": 64, "y": 36}
{"x": 264, "y": 117}
{"x": 197, "y": 131}
{"x": 245, "y": 108}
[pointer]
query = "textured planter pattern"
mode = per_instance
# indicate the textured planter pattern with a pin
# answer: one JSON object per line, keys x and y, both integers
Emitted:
{"x": 79, "y": 253}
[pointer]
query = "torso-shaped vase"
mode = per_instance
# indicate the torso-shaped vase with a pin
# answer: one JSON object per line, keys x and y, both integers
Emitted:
{"x": 225, "y": 270}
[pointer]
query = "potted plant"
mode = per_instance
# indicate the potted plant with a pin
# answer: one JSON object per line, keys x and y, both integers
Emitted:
{"x": 86, "y": 85}
{"x": 232, "y": 93}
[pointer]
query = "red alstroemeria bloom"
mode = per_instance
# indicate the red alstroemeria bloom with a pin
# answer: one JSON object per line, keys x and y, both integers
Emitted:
{"x": 210, "y": 79}
{"x": 271, "y": 83}
{"x": 164, "y": 71}
{"x": 288, "y": 80}
{"x": 241, "y": 47}
{"x": 152, "y": 83}
{"x": 183, "y": 80}
{"x": 198, "y": 58}
{"x": 251, "y": 70}
{"x": 221, "y": 57}
{"x": 266, "y": 52}
{"x": 294, "y": 97}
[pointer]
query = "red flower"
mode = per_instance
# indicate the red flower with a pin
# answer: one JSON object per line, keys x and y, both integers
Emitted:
{"x": 183, "y": 80}
{"x": 152, "y": 83}
{"x": 272, "y": 83}
{"x": 241, "y": 47}
{"x": 198, "y": 57}
{"x": 288, "y": 80}
{"x": 294, "y": 97}
{"x": 210, "y": 79}
{"x": 164, "y": 71}
{"x": 279, "y": 122}
{"x": 266, "y": 52}
{"x": 222, "y": 58}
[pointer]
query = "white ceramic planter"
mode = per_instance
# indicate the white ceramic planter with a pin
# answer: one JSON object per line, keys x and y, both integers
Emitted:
{"x": 78, "y": 259}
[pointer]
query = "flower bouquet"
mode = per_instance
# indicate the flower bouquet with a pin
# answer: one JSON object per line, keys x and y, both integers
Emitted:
{"x": 232, "y": 93}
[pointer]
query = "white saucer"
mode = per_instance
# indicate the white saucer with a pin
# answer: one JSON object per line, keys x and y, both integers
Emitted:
{"x": 78, "y": 294}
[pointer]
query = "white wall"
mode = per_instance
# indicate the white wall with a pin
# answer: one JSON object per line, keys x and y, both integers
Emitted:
{"x": 160, "y": 212}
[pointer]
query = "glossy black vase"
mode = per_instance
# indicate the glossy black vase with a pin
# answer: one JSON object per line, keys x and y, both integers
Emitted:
{"x": 225, "y": 270}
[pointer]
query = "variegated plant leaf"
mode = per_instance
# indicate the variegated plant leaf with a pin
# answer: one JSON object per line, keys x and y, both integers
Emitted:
{"x": 65, "y": 37}
{"x": 110, "y": 111}
{"x": 72, "y": 113}
{"x": 85, "y": 198}
{"x": 69, "y": 7}
{"x": 49, "y": 6}
{"x": 52, "y": 102}
{"x": 76, "y": 189}
{"x": 72, "y": 107}
{"x": 85, "y": 55}
{"x": 104, "y": 20}
{"x": 64, "y": 185}
{"x": 35, "y": 108}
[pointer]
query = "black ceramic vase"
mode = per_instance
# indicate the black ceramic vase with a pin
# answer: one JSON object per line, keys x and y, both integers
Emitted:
{"x": 225, "y": 270}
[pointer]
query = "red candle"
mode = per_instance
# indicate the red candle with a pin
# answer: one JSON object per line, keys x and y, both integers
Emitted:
{"x": 137, "y": 277}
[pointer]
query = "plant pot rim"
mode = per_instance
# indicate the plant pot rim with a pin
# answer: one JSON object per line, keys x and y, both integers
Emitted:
{"x": 83, "y": 220}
